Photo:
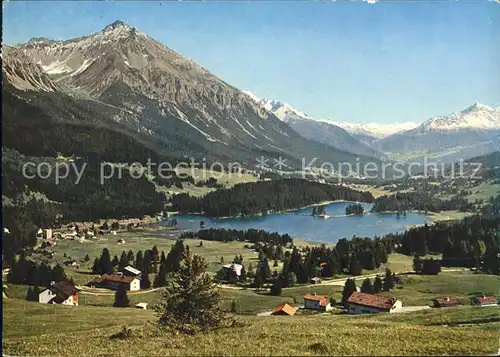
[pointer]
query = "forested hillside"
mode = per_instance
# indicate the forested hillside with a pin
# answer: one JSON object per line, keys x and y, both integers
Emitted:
{"x": 263, "y": 196}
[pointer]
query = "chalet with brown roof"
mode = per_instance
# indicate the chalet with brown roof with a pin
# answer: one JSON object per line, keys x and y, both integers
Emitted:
{"x": 484, "y": 301}
{"x": 114, "y": 281}
{"x": 63, "y": 292}
{"x": 317, "y": 302}
{"x": 446, "y": 302}
{"x": 361, "y": 303}
{"x": 284, "y": 309}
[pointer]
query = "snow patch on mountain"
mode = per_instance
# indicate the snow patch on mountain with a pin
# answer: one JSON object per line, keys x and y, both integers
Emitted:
{"x": 282, "y": 111}
{"x": 477, "y": 116}
{"x": 375, "y": 130}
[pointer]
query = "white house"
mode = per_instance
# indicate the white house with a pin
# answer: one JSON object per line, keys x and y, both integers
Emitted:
{"x": 233, "y": 267}
{"x": 142, "y": 305}
{"x": 114, "y": 281}
{"x": 317, "y": 302}
{"x": 62, "y": 292}
{"x": 361, "y": 303}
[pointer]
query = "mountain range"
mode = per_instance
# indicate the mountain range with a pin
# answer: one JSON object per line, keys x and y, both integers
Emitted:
{"x": 124, "y": 80}
{"x": 474, "y": 131}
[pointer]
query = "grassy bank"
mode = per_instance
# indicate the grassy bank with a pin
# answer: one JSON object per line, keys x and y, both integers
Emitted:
{"x": 42, "y": 330}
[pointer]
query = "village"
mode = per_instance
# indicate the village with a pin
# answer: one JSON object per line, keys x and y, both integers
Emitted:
{"x": 229, "y": 277}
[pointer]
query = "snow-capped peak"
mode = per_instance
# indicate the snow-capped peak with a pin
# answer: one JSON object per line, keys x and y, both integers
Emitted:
{"x": 375, "y": 129}
{"x": 476, "y": 116}
{"x": 282, "y": 111}
{"x": 117, "y": 25}
{"x": 252, "y": 96}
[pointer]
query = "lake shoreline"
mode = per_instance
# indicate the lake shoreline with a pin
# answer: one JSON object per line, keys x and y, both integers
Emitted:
{"x": 269, "y": 212}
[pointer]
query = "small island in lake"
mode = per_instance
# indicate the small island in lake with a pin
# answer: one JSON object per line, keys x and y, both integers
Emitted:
{"x": 355, "y": 208}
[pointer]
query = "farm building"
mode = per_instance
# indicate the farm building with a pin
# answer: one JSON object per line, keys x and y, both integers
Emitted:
{"x": 233, "y": 267}
{"x": 284, "y": 309}
{"x": 446, "y": 302}
{"x": 131, "y": 271}
{"x": 361, "y": 303}
{"x": 142, "y": 305}
{"x": 484, "y": 301}
{"x": 317, "y": 302}
{"x": 113, "y": 281}
{"x": 63, "y": 292}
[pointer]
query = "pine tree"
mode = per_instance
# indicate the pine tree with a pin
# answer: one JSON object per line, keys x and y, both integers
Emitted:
{"x": 349, "y": 288}
{"x": 121, "y": 297}
{"x": 95, "y": 267}
{"x": 292, "y": 279}
{"x": 123, "y": 261}
{"x": 377, "y": 285}
{"x": 190, "y": 302}
{"x": 58, "y": 273}
{"x": 355, "y": 267}
{"x": 130, "y": 256}
{"x": 162, "y": 258}
{"x": 417, "y": 264}
{"x": 388, "y": 281}
{"x": 276, "y": 288}
{"x": 115, "y": 262}
{"x": 145, "y": 282}
{"x": 161, "y": 277}
{"x": 87, "y": 258}
{"x": 29, "y": 294}
{"x": 233, "y": 306}
{"x": 366, "y": 286}
{"x": 138, "y": 259}
{"x": 105, "y": 266}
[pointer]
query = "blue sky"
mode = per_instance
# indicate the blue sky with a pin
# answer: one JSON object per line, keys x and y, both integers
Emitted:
{"x": 388, "y": 62}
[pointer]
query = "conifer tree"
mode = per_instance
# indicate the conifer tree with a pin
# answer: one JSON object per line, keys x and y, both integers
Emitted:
{"x": 366, "y": 286}
{"x": 121, "y": 297}
{"x": 276, "y": 288}
{"x": 388, "y": 281}
{"x": 190, "y": 302}
{"x": 130, "y": 256}
{"x": 377, "y": 285}
{"x": 349, "y": 288}
{"x": 123, "y": 261}
{"x": 105, "y": 266}
{"x": 95, "y": 267}
{"x": 355, "y": 267}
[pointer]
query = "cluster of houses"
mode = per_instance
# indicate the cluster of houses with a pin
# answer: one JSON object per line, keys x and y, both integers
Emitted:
{"x": 362, "y": 303}
{"x": 65, "y": 292}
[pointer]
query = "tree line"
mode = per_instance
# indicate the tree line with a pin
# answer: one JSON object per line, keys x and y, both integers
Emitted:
{"x": 28, "y": 272}
{"x": 403, "y": 202}
{"x": 355, "y": 208}
{"x": 260, "y": 197}
{"x": 231, "y": 235}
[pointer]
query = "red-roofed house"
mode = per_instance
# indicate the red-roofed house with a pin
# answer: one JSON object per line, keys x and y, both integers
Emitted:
{"x": 284, "y": 309}
{"x": 361, "y": 303}
{"x": 63, "y": 292}
{"x": 446, "y": 302}
{"x": 317, "y": 302}
{"x": 484, "y": 301}
{"x": 113, "y": 281}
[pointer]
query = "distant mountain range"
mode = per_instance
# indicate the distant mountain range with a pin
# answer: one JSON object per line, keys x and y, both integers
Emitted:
{"x": 474, "y": 131}
{"x": 322, "y": 131}
{"x": 121, "y": 78}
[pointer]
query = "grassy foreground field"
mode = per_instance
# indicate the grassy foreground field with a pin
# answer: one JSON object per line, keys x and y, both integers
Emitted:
{"x": 43, "y": 330}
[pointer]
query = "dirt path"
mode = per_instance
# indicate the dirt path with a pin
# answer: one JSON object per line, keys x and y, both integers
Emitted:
{"x": 105, "y": 292}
